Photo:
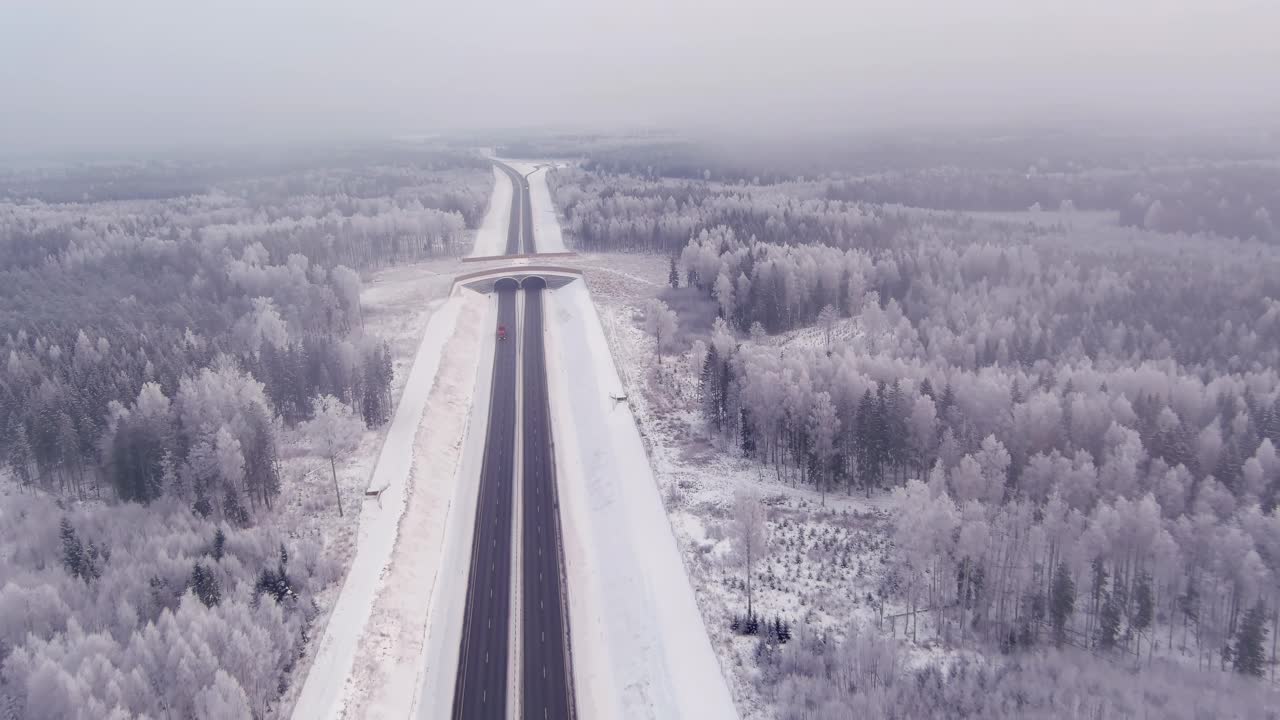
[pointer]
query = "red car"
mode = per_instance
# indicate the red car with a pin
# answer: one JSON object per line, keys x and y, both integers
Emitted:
{"x": 502, "y": 332}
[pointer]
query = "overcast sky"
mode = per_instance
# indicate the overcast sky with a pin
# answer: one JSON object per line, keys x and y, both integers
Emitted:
{"x": 94, "y": 73}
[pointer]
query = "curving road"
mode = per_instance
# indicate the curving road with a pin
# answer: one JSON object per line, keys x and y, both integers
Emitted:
{"x": 520, "y": 231}
{"x": 545, "y": 667}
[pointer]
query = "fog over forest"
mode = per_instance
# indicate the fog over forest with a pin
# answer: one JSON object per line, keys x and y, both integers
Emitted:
{"x": 146, "y": 72}
{"x": 879, "y": 359}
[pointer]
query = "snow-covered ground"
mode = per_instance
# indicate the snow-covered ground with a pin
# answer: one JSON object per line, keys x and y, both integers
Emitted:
{"x": 327, "y": 686}
{"x": 369, "y": 660}
{"x": 438, "y": 661}
{"x": 491, "y": 238}
{"x": 639, "y": 646}
{"x": 827, "y": 555}
{"x": 388, "y": 665}
{"x": 546, "y": 227}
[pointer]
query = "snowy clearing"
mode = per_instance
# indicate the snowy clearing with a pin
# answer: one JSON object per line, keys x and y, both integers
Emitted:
{"x": 828, "y": 555}
{"x": 639, "y": 644}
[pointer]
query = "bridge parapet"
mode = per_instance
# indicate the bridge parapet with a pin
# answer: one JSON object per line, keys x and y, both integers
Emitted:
{"x": 523, "y": 275}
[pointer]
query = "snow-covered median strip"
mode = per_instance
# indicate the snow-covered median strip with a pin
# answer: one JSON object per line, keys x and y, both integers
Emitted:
{"x": 639, "y": 645}
{"x": 327, "y": 687}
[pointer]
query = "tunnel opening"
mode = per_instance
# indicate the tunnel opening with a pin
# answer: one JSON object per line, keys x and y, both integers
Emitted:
{"x": 506, "y": 283}
{"x": 534, "y": 282}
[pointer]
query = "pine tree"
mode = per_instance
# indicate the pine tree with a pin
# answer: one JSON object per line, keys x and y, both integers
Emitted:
{"x": 20, "y": 454}
{"x": 868, "y": 441}
{"x": 202, "y": 507}
{"x": 1061, "y": 602}
{"x": 1098, "y": 585}
{"x": 1272, "y": 427}
{"x": 219, "y": 544}
{"x": 673, "y": 277}
{"x": 234, "y": 509}
{"x": 711, "y": 386}
{"x": 276, "y": 582}
{"x": 1145, "y": 603}
{"x": 205, "y": 585}
{"x": 1109, "y": 624}
{"x": 748, "y": 438}
{"x": 73, "y": 557}
{"x": 945, "y": 405}
{"x": 1251, "y": 638}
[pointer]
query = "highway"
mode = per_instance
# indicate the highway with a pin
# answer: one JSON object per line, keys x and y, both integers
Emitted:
{"x": 518, "y": 242}
{"x": 546, "y": 677}
{"x": 546, "y": 685}
{"x": 481, "y": 689}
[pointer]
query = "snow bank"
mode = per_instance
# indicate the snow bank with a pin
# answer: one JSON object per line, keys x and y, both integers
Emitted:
{"x": 389, "y": 664}
{"x": 324, "y": 692}
{"x": 639, "y": 645}
{"x": 491, "y": 237}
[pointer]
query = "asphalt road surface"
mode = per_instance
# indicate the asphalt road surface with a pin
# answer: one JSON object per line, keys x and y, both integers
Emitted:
{"x": 546, "y": 685}
{"x": 547, "y": 692}
{"x": 481, "y": 690}
{"x": 521, "y": 211}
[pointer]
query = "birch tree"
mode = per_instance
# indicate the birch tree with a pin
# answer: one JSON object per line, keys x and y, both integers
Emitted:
{"x": 332, "y": 432}
{"x": 660, "y": 321}
{"x": 749, "y": 533}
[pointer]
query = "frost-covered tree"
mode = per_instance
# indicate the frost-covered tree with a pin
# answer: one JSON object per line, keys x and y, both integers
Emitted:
{"x": 749, "y": 532}
{"x": 332, "y": 432}
{"x": 823, "y": 427}
{"x": 827, "y": 318}
{"x": 205, "y": 585}
{"x": 661, "y": 322}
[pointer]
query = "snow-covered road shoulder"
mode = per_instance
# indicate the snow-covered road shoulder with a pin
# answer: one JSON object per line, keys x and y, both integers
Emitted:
{"x": 332, "y": 680}
{"x": 491, "y": 237}
{"x": 639, "y": 645}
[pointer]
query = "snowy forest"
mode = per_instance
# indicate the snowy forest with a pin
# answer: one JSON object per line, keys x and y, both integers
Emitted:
{"x": 1056, "y": 362}
{"x": 169, "y": 327}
